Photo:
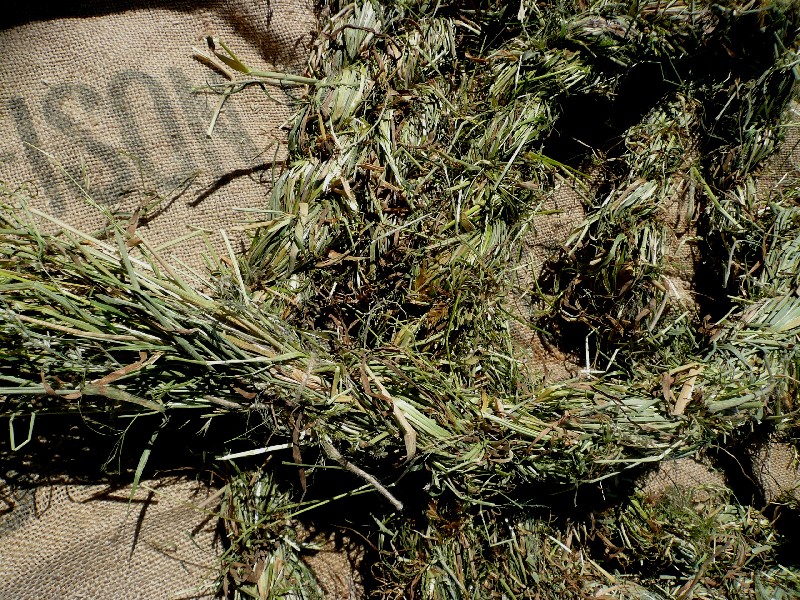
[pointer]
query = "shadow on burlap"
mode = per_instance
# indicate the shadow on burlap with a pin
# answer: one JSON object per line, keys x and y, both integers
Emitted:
{"x": 65, "y": 521}
{"x": 337, "y": 564}
{"x": 772, "y": 465}
{"x": 86, "y": 542}
{"x": 560, "y": 214}
{"x": 96, "y": 97}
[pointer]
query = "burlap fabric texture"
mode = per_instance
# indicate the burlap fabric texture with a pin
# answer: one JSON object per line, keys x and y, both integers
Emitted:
{"x": 559, "y": 214}
{"x": 775, "y": 466}
{"x": 87, "y": 542}
{"x": 96, "y": 99}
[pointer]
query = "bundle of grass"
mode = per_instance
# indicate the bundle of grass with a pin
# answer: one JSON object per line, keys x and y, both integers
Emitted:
{"x": 368, "y": 326}
{"x": 484, "y": 555}
{"x": 273, "y": 566}
{"x": 696, "y": 542}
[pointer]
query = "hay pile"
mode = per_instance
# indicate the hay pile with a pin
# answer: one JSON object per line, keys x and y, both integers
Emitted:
{"x": 368, "y": 332}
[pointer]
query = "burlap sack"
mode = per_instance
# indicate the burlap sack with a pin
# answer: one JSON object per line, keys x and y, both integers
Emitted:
{"x": 88, "y": 542}
{"x": 774, "y": 463}
{"x": 337, "y": 565}
{"x": 680, "y": 474}
{"x": 782, "y": 169}
{"x": 775, "y": 466}
{"x": 561, "y": 212}
{"x": 681, "y": 252}
{"x": 96, "y": 98}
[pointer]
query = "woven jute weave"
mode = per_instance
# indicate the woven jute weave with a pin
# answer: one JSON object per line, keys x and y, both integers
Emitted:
{"x": 85, "y": 542}
{"x": 559, "y": 214}
{"x": 98, "y": 101}
{"x": 776, "y": 468}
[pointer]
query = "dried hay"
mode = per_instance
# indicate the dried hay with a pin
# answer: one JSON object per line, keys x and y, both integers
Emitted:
{"x": 371, "y": 326}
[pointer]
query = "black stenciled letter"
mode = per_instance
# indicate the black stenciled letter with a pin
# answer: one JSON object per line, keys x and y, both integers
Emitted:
{"x": 33, "y": 152}
{"x": 91, "y": 102}
{"x": 124, "y": 90}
